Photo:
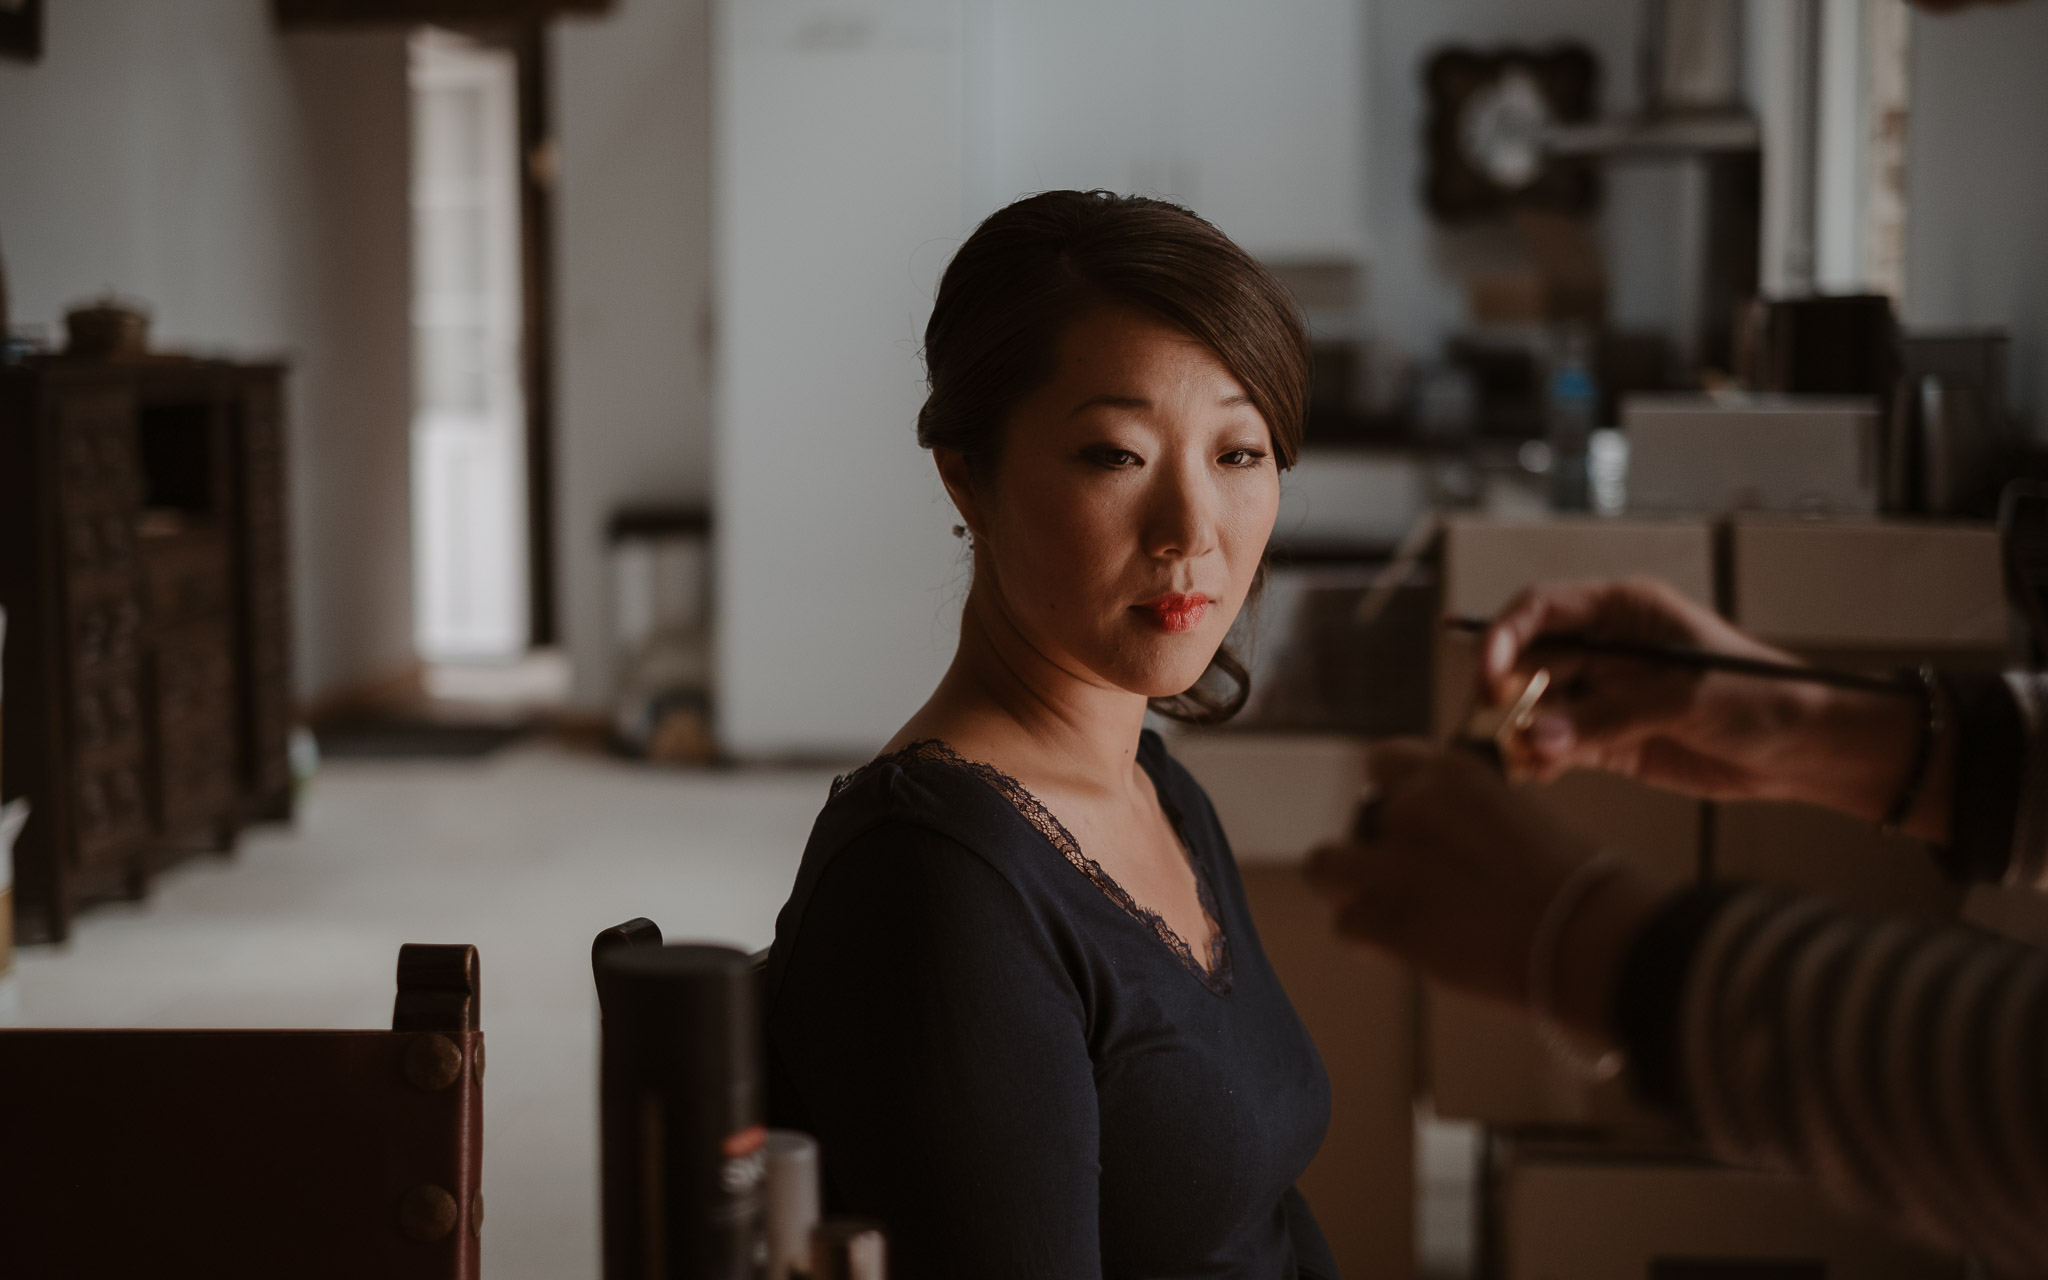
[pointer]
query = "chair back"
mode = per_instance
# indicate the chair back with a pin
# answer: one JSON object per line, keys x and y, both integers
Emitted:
{"x": 233, "y": 1154}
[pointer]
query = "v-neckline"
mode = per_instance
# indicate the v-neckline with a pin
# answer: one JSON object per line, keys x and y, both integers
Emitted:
{"x": 1215, "y": 975}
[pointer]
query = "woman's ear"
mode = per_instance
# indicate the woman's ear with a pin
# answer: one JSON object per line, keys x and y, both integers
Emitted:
{"x": 959, "y": 481}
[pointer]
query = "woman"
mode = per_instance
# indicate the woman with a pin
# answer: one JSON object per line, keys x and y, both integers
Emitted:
{"x": 1016, "y": 992}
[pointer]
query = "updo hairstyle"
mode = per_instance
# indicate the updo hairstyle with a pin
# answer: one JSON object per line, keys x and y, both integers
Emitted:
{"x": 1034, "y": 267}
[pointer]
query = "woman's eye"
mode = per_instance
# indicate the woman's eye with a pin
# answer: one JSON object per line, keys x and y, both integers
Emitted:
{"x": 1110, "y": 456}
{"x": 1243, "y": 458}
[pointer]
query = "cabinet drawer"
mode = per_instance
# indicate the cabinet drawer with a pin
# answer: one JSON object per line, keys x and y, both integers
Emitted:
{"x": 96, "y": 434}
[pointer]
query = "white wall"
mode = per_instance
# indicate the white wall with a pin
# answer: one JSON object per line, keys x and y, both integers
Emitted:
{"x": 839, "y": 197}
{"x": 633, "y": 311}
{"x": 1977, "y": 184}
{"x": 251, "y": 189}
{"x": 1252, "y": 114}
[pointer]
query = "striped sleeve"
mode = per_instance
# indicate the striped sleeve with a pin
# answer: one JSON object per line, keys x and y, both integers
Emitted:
{"x": 2027, "y": 859}
{"x": 1998, "y": 826}
{"x": 1903, "y": 1067}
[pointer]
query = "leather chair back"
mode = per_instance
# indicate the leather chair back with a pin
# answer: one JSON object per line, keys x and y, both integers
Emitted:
{"x": 234, "y": 1154}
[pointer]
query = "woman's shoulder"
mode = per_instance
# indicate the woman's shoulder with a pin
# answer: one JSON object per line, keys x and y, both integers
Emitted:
{"x": 926, "y": 802}
{"x": 925, "y": 785}
{"x": 917, "y": 844}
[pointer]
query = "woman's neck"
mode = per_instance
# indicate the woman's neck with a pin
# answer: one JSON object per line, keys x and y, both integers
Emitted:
{"x": 1004, "y": 700}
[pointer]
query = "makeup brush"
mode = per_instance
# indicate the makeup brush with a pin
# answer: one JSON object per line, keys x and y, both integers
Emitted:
{"x": 1679, "y": 655}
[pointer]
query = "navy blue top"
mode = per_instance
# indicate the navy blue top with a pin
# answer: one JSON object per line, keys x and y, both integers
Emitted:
{"x": 1017, "y": 1069}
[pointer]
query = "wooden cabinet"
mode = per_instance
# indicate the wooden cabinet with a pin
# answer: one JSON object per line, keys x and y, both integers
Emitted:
{"x": 142, "y": 566}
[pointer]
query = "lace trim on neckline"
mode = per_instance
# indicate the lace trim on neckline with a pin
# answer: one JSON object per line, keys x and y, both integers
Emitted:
{"x": 1216, "y": 976}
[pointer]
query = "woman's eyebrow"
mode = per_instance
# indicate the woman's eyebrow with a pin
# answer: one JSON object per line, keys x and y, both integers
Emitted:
{"x": 1236, "y": 401}
{"x": 1111, "y": 402}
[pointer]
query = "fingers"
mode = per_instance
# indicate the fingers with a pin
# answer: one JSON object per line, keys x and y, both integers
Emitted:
{"x": 1369, "y": 885}
{"x": 1631, "y": 609}
{"x": 1543, "y": 610}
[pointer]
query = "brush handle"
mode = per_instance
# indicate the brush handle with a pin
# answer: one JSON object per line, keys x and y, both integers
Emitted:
{"x": 1677, "y": 655}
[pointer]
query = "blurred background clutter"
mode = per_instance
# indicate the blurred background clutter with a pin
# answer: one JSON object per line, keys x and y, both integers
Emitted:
{"x": 457, "y": 481}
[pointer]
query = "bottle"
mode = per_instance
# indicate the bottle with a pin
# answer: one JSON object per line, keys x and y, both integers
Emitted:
{"x": 792, "y": 1208}
{"x": 848, "y": 1248}
{"x": 684, "y": 1151}
{"x": 1572, "y": 404}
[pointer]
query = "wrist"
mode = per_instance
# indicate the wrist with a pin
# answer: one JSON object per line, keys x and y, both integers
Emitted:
{"x": 1590, "y": 951}
{"x": 1844, "y": 749}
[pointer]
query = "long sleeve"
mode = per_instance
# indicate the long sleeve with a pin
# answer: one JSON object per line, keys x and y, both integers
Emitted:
{"x": 966, "y": 1124}
{"x": 1902, "y": 1067}
{"x": 1999, "y": 827}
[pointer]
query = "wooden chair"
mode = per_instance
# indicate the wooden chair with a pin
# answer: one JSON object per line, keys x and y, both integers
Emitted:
{"x": 231, "y": 1154}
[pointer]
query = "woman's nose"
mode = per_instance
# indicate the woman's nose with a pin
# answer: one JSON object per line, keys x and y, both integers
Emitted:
{"x": 1181, "y": 519}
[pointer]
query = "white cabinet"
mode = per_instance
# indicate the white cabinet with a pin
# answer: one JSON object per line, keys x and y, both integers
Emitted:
{"x": 838, "y": 200}
{"x": 1250, "y": 111}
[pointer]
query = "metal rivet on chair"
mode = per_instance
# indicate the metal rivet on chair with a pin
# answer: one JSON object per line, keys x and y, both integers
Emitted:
{"x": 427, "y": 1213}
{"x": 476, "y": 1214}
{"x": 433, "y": 1061}
{"x": 479, "y": 1060}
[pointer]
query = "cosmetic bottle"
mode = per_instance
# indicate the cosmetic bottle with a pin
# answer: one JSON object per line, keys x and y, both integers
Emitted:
{"x": 684, "y": 1150}
{"x": 791, "y": 1211}
{"x": 847, "y": 1248}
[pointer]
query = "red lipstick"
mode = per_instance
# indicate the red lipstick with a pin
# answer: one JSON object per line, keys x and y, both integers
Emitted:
{"x": 1176, "y": 612}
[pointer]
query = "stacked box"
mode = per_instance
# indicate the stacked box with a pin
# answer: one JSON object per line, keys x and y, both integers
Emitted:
{"x": 1871, "y": 595}
{"x": 1559, "y": 1213}
{"x": 1278, "y": 796}
{"x": 1719, "y": 453}
{"x": 1625, "y": 1201}
{"x": 1484, "y": 1061}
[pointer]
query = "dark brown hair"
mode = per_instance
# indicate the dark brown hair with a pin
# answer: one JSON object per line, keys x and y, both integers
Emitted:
{"x": 1037, "y": 265}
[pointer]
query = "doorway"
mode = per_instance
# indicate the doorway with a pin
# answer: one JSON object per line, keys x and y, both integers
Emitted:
{"x": 468, "y": 432}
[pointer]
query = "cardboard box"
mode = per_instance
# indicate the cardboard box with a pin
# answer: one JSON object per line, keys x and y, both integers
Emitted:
{"x": 1490, "y": 561}
{"x": 1900, "y": 586}
{"x": 1487, "y": 562}
{"x": 1874, "y": 595}
{"x": 1360, "y": 1007}
{"x": 1601, "y": 1220}
{"x": 1277, "y": 795}
{"x": 1484, "y": 1061}
{"x": 1716, "y": 454}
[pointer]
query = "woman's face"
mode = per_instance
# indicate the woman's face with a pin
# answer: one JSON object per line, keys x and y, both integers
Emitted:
{"x": 1124, "y": 521}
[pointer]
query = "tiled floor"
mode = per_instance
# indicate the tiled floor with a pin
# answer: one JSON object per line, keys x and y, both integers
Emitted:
{"x": 526, "y": 855}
